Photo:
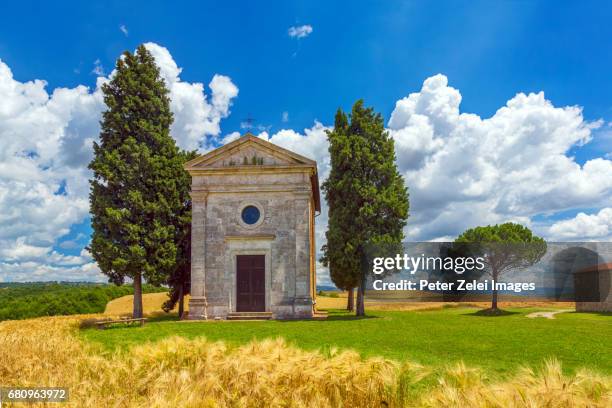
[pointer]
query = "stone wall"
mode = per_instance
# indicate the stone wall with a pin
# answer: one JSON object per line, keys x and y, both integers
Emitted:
{"x": 285, "y": 200}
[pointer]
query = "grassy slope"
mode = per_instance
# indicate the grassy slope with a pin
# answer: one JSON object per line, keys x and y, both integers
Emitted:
{"x": 151, "y": 303}
{"x": 498, "y": 344}
{"x": 28, "y": 300}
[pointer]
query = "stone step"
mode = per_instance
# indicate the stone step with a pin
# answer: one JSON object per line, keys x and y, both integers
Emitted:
{"x": 249, "y": 316}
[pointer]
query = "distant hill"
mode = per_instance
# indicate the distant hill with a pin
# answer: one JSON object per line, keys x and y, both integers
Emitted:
{"x": 326, "y": 287}
{"x": 47, "y": 283}
{"x": 35, "y": 299}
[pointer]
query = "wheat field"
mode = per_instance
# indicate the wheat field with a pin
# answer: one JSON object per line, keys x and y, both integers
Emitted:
{"x": 177, "y": 372}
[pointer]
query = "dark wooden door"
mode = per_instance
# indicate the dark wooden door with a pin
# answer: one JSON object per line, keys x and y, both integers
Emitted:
{"x": 251, "y": 283}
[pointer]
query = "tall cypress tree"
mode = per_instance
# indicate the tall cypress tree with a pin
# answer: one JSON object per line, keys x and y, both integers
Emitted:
{"x": 136, "y": 191}
{"x": 338, "y": 254}
{"x": 367, "y": 197}
{"x": 180, "y": 278}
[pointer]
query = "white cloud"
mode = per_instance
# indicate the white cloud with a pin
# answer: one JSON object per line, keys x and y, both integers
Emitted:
{"x": 464, "y": 170}
{"x": 300, "y": 31}
{"x": 76, "y": 242}
{"x": 311, "y": 144}
{"x": 230, "y": 138}
{"x": 323, "y": 277}
{"x": 98, "y": 69}
{"x": 32, "y": 271}
{"x": 196, "y": 119}
{"x": 43, "y": 179}
{"x": 46, "y": 143}
{"x": 285, "y": 117}
{"x": 584, "y": 227}
{"x": 223, "y": 91}
{"x": 123, "y": 29}
{"x": 20, "y": 250}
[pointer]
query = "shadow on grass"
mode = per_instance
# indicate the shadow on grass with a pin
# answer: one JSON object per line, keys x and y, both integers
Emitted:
{"x": 92, "y": 323}
{"x": 608, "y": 314}
{"x": 333, "y": 315}
{"x": 350, "y": 317}
{"x": 492, "y": 313}
{"x": 162, "y": 317}
{"x": 576, "y": 312}
{"x": 343, "y": 314}
{"x": 156, "y": 316}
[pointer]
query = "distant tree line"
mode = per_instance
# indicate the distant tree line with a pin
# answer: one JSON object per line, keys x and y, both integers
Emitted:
{"x": 28, "y": 300}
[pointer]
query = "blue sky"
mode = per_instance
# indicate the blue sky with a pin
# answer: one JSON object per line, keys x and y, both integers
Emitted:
{"x": 379, "y": 51}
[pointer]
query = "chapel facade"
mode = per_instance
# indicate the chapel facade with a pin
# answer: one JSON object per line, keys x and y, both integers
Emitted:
{"x": 253, "y": 242}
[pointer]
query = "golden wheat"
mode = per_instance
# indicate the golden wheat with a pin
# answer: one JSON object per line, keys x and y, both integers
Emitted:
{"x": 177, "y": 372}
{"x": 548, "y": 387}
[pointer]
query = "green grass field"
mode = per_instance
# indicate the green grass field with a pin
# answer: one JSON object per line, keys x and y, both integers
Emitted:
{"x": 434, "y": 338}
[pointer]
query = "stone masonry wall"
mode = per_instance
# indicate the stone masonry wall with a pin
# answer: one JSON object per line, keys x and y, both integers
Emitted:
{"x": 284, "y": 236}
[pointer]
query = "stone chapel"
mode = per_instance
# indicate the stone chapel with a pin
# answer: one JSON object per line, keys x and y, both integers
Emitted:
{"x": 253, "y": 242}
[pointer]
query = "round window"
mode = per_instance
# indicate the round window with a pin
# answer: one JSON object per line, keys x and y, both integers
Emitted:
{"x": 250, "y": 214}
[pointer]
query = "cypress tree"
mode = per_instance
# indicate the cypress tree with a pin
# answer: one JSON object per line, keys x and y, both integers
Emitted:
{"x": 180, "y": 278}
{"x": 338, "y": 255}
{"x": 136, "y": 192}
{"x": 367, "y": 197}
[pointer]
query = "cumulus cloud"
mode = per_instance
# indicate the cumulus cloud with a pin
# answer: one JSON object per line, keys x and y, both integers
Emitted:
{"x": 312, "y": 144}
{"x": 464, "y": 170}
{"x": 196, "y": 118}
{"x": 33, "y": 271}
{"x": 584, "y": 227}
{"x": 43, "y": 179}
{"x": 46, "y": 141}
{"x": 230, "y": 138}
{"x": 302, "y": 31}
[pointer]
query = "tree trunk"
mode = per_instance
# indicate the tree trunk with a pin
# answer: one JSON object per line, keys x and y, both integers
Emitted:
{"x": 494, "y": 300}
{"x": 181, "y": 300}
{"x": 137, "y": 297}
{"x": 360, "y": 299}
{"x": 350, "y": 306}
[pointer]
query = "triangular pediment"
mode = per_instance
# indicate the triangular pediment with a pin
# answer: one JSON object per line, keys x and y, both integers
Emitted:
{"x": 248, "y": 150}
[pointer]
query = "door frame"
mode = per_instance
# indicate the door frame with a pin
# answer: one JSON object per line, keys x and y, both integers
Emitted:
{"x": 248, "y": 247}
